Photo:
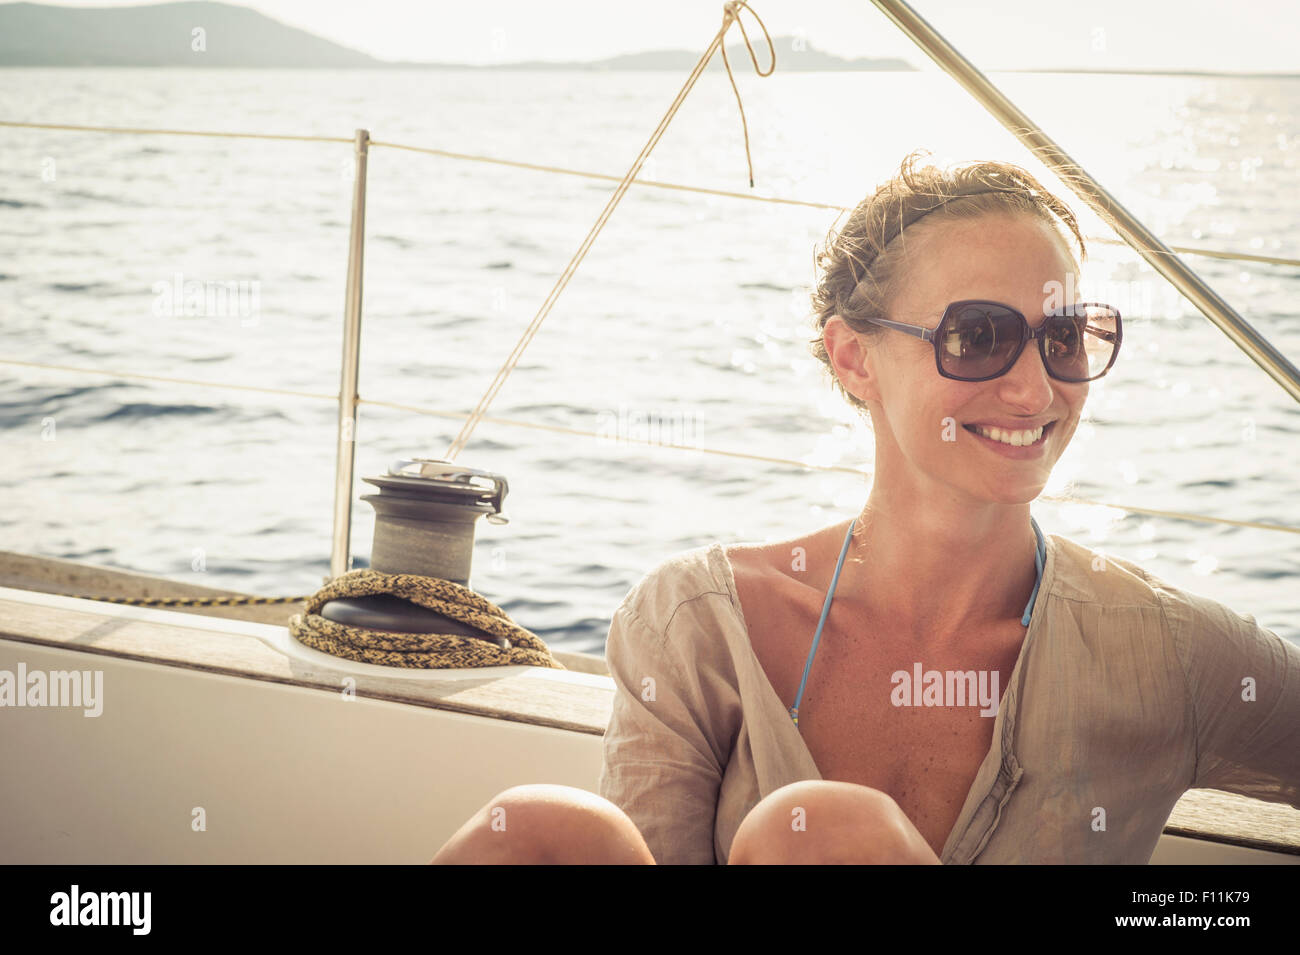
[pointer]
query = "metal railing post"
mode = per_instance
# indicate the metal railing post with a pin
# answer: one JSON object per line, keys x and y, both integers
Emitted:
{"x": 1157, "y": 254}
{"x": 341, "y": 551}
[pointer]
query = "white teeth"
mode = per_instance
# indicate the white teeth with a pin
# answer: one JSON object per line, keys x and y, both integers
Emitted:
{"x": 1015, "y": 438}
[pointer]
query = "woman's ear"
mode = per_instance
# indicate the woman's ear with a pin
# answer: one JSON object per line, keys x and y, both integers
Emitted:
{"x": 852, "y": 359}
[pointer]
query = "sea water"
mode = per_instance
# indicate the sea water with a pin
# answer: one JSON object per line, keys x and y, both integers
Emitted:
{"x": 224, "y": 260}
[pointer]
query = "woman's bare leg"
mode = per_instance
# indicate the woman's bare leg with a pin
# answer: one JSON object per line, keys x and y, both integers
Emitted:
{"x": 543, "y": 823}
{"x": 826, "y": 822}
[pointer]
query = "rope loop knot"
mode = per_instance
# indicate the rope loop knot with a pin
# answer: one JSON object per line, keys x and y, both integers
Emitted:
{"x": 731, "y": 13}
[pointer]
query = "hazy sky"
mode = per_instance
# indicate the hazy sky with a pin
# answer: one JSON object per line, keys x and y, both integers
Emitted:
{"x": 1247, "y": 35}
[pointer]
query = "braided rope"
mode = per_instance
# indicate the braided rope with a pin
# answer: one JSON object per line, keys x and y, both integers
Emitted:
{"x": 188, "y": 601}
{"x": 418, "y": 650}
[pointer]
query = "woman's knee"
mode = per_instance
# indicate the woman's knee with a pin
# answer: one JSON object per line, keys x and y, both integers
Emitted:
{"x": 827, "y": 822}
{"x": 546, "y": 823}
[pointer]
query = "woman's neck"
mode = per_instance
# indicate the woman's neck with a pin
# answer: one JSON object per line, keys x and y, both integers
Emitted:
{"x": 941, "y": 572}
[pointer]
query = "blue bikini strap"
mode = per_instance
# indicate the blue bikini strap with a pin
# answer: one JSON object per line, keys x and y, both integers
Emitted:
{"x": 826, "y": 609}
{"x": 1040, "y": 558}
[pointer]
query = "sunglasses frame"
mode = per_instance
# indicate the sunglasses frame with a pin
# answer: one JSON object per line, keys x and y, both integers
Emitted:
{"x": 1027, "y": 334}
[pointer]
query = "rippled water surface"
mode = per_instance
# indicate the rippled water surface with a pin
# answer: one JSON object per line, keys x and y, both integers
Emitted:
{"x": 686, "y": 324}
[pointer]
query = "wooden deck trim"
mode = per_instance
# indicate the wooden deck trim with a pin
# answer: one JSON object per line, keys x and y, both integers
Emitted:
{"x": 1220, "y": 816}
{"x": 562, "y": 699}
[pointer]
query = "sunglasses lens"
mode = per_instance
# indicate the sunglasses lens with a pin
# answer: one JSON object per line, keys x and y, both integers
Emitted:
{"x": 1081, "y": 341}
{"x": 979, "y": 339}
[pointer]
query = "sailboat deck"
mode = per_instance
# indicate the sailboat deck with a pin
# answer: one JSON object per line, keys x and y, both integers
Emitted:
{"x": 570, "y": 700}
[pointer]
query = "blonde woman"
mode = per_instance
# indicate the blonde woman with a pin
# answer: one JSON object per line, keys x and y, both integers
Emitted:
{"x": 937, "y": 679}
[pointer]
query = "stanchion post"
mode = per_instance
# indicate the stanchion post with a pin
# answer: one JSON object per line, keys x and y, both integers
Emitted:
{"x": 341, "y": 551}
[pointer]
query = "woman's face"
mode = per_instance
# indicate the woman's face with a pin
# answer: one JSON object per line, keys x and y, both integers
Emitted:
{"x": 924, "y": 423}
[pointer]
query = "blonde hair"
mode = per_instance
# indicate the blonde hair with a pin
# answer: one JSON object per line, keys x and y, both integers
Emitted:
{"x": 861, "y": 272}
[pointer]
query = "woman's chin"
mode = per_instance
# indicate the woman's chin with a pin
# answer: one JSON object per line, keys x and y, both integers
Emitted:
{"x": 1018, "y": 492}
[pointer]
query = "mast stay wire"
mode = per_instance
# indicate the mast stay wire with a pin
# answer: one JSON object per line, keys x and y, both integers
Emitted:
{"x": 730, "y": 14}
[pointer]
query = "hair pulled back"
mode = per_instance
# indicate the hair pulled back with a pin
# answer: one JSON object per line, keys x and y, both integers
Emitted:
{"x": 862, "y": 268}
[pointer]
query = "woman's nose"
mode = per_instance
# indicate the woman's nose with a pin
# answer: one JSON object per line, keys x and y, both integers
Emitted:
{"x": 1027, "y": 382}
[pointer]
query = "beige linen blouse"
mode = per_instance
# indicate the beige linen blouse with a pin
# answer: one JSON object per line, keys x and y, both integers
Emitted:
{"x": 1127, "y": 692}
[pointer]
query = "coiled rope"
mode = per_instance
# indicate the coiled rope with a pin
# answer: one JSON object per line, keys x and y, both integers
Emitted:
{"x": 418, "y": 650}
{"x": 388, "y": 647}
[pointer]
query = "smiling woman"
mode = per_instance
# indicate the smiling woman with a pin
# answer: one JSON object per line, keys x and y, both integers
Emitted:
{"x": 958, "y": 260}
{"x": 1109, "y": 692}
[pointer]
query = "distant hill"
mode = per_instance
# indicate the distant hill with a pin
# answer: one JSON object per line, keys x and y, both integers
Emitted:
{"x": 33, "y": 34}
{"x": 793, "y": 55}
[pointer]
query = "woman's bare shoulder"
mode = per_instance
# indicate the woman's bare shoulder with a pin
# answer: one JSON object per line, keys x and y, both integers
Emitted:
{"x": 786, "y": 555}
{"x": 763, "y": 571}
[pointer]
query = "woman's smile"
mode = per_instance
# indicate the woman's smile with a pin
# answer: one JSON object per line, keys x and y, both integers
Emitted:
{"x": 1003, "y": 441}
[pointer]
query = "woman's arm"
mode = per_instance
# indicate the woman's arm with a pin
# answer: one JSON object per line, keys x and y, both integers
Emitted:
{"x": 1244, "y": 686}
{"x": 660, "y": 764}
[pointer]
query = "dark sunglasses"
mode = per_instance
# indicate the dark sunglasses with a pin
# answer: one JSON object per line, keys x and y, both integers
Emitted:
{"x": 977, "y": 340}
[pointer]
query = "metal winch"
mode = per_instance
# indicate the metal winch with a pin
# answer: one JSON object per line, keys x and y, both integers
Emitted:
{"x": 425, "y": 511}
